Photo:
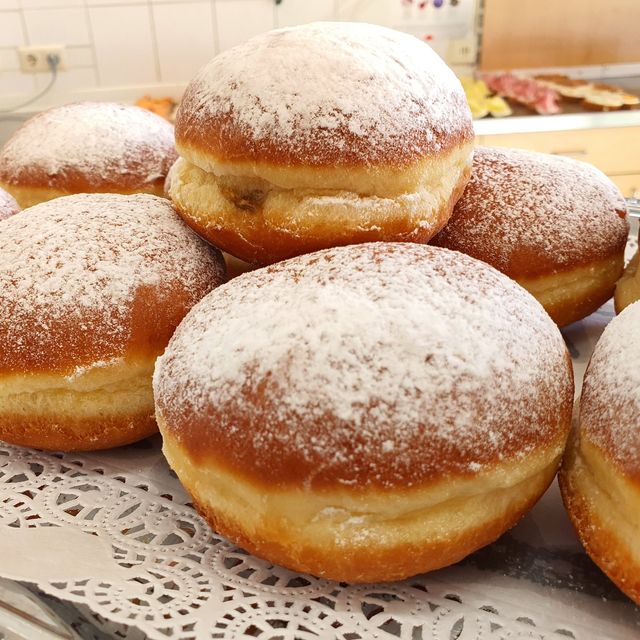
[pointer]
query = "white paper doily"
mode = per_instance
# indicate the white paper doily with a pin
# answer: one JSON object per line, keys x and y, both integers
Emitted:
{"x": 113, "y": 532}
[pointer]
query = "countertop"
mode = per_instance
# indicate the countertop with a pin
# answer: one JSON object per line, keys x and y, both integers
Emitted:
{"x": 573, "y": 118}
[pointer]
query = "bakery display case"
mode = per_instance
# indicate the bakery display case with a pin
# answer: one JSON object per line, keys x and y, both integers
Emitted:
{"x": 581, "y": 62}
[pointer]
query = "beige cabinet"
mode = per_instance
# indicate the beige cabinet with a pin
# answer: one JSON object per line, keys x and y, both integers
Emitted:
{"x": 615, "y": 151}
{"x": 628, "y": 184}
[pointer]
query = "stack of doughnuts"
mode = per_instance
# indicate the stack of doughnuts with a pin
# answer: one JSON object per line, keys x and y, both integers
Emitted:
{"x": 600, "y": 478}
{"x": 91, "y": 289}
{"x": 8, "y": 205}
{"x": 358, "y": 413}
{"x": 555, "y": 225}
{"x": 371, "y": 406}
{"x": 87, "y": 147}
{"x": 321, "y": 135}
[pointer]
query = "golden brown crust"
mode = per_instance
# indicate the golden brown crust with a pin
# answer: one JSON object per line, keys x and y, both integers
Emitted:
{"x": 287, "y": 468}
{"x": 68, "y": 433}
{"x": 533, "y": 215}
{"x": 92, "y": 287}
{"x": 325, "y": 94}
{"x": 83, "y": 246}
{"x": 322, "y": 135}
{"x": 280, "y": 411}
{"x": 64, "y": 346}
{"x": 610, "y": 402}
{"x": 600, "y": 477}
{"x": 224, "y": 140}
{"x": 33, "y": 179}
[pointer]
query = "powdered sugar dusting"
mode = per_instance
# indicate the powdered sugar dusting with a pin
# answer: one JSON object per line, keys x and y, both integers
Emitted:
{"x": 536, "y": 206}
{"x": 610, "y": 405}
{"x": 367, "y": 357}
{"x": 80, "y": 262}
{"x": 101, "y": 141}
{"x": 8, "y": 205}
{"x": 80, "y": 371}
{"x": 331, "y": 90}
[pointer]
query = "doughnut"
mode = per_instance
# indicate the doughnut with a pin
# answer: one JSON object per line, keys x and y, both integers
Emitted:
{"x": 92, "y": 287}
{"x": 600, "y": 476}
{"x": 628, "y": 287}
{"x": 234, "y": 267}
{"x": 8, "y": 205}
{"x": 87, "y": 147}
{"x": 321, "y": 135}
{"x": 555, "y": 225}
{"x": 365, "y": 413}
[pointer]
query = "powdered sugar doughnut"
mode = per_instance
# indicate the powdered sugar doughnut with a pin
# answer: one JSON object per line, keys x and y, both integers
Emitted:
{"x": 91, "y": 289}
{"x": 87, "y": 147}
{"x": 321, "y": 135}
{"x": 554, "y": 224}
{"x": 600, "y": 478}
{"x": 368, "y": 412}
{"x": 8, "y": 205}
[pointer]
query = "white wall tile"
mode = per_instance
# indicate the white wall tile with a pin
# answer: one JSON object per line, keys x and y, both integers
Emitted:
{"x": 11, "y": 31}
{"x": 184, "y": 34}
{"x": 57, "y": 26}
{"x": 9, "y": 60}
{"x": 68, "y": 80}
{"x": 50, "y": 4}
{"x": 123, "y": 45}
{"x": 292, "y": 12}
{"x": 7, "y": 5}
{"x": 104, "y": 3}
{"x": 374, "y": 11}
{"x": 80, "y": 57}
{"x": 15, "y": 83}
{"x": 239, "y": 20}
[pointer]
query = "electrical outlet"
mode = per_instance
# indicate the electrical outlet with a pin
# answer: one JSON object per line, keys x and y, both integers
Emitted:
{"x": 463, "y": 50}
{"x": 34, "y": 59}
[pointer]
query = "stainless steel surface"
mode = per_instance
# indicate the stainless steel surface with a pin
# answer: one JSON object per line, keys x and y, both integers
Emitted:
{"x": 560, "y": 122}
{"x": 23, "y": 616}
{"x": 633, "y": 207}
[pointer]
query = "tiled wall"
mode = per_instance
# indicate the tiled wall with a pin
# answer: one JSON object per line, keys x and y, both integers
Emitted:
{"x": 120, "y": 49}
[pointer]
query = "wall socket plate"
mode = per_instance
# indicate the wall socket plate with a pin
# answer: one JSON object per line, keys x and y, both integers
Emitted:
{"x": 463, "y": 50}
{"x": 34, "y": 59}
